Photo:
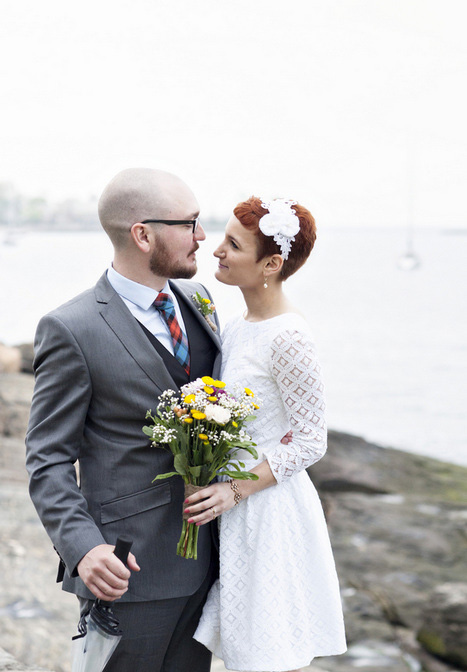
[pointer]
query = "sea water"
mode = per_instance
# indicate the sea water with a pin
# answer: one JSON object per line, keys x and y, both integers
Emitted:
{"x": 392, "y": 343}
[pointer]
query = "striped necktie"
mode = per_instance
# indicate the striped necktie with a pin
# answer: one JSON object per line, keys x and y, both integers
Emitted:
{"x": 166, "y": 308}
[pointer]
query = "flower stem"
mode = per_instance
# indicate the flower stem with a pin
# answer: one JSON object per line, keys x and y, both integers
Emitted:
{"x": 188, "y": 544}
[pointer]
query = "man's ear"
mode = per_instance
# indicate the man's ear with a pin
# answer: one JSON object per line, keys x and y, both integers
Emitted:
{"x": 140, "y": 234}
{"x": 273, "y": 265}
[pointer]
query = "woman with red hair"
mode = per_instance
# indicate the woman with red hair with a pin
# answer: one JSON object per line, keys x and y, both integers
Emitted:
{"x": 276, "y": 604}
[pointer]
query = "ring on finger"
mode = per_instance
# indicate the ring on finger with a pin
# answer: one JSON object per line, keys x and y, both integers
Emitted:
{"x": 213, "y": 511}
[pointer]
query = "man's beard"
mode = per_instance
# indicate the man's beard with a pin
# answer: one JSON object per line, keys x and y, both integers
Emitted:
{"x": 161, "y": 265}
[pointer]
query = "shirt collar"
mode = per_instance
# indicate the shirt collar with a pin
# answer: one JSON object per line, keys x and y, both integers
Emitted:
{"x": 140, "y": 295}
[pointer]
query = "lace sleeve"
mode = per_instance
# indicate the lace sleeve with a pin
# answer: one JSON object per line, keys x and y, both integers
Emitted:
{"x": 297, "y": 373}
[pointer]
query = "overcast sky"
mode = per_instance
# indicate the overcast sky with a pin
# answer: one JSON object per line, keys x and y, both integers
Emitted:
{"x": 356, "y": 107}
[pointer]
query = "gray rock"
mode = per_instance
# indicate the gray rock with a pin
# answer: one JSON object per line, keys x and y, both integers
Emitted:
{"x": 373, "y": 655}
{"x": 397, "y": 525}
{"x": 10, "y": 359}
{"x": 391, "y": 549}
{"x": 408, "y": 643}
{"x": 444, "y": 627}
{"x": 15, "y": 400}
{"x": 8, "y": 662}
{"x": 27, "y": 357}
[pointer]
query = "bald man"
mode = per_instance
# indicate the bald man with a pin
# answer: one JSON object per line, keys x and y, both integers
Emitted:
{"x": 102, "y": 360}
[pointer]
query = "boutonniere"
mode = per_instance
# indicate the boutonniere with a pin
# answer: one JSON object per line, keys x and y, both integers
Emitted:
{"x": 206, "y": 308}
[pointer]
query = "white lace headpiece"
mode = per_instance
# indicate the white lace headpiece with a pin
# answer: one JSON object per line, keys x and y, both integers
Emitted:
{"x": 280, "y": 222}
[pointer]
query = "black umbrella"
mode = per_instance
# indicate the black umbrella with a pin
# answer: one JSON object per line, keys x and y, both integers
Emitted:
{"x": 98, "y": 629}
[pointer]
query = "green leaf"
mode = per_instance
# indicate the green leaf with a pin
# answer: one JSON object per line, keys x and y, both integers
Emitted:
{"x": 148, "y": 431}
{"x": 240, "y": 475}
{"x": 195, "y": 471}
{"x": 167, "y": 475}
{"x": 181, "y": 464}
{"x": 208, "y": 456}
{"x": 246, "y": 446}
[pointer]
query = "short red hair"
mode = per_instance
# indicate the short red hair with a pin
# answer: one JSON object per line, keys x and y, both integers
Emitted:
{"x": 249, "y": 213}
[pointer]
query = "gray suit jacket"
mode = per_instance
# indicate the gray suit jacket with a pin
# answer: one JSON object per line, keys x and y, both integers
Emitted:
{"x": 96, "y": 375}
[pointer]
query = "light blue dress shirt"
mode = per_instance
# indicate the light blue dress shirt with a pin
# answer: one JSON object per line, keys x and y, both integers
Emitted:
{"x": 139, "y": 299}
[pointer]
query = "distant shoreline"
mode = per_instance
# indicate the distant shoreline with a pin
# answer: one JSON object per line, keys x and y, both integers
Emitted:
{"x": 218, "y": 224}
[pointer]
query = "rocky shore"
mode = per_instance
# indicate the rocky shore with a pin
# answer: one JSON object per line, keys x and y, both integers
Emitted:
{"x": 398, "y": 524}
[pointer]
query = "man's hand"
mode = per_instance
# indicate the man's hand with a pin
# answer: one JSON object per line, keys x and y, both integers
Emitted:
{"x": 103, "y": 573}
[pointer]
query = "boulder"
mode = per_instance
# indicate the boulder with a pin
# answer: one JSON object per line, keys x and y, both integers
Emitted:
{"x": 444, "y": 629}
{"x": 397, "y": 525}
{"x": 10, "y": 359}
{"x": 27, "y": 357}
{"x": 15, "y": 401}
{"x": 7, "y": 662}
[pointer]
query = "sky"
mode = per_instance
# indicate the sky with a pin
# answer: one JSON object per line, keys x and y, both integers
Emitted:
{"x": 356, "y": 108}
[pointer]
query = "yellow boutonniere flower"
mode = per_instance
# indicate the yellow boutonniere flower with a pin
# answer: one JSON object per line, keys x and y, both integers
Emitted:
{"x": 219, "y": 384}
{"x": 207, "y": 380}
{"x": 208, "y": 390}
{"x": 189, "y": 399}
{"x": 212, "y": 398}
{"x": 188, "y": 420}
{"x": 206, "y": 308}
{"x": 203, "y": 437}
{"x": 198, "y": 415}
{"x": 249, "y": 392}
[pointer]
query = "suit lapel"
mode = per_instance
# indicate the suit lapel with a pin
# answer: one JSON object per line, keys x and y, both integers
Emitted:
{"x": 130, "y": 334}
{"x": 185, "y": 294}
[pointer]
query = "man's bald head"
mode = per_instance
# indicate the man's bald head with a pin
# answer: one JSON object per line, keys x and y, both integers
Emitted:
{"x": 136, "y": 194}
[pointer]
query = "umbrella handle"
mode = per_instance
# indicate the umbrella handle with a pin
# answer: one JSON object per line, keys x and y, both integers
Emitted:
{"x": 121, "y": 550}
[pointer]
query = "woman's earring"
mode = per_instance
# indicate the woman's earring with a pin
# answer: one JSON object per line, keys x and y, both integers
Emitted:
{"x": 265, "y": 282}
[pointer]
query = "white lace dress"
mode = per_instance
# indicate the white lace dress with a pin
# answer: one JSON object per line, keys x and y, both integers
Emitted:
{"x": 276, "y": 604}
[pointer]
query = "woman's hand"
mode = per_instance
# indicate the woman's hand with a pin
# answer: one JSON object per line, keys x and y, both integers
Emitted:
{"x": 210, "y": 502}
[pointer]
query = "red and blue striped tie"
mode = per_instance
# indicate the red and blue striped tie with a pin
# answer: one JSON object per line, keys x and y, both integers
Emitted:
{"x": 166, "y": 308}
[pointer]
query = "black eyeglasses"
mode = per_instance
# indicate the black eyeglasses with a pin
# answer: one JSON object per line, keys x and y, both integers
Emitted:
{"x": 174, "y": 222}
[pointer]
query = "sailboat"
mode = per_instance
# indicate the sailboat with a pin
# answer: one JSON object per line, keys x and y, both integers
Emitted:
{"x": 409, "y": 261}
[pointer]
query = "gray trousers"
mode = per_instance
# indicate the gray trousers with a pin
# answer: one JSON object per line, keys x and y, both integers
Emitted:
{"x": 158, "y": 635}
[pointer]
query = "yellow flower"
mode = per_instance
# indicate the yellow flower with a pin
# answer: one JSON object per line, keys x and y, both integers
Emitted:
{"x": 208, "y": 390}
{"x": 198, "y": 415}
{"x": 206, "y": 300}
{"x": 203, "y": 437}
{"x": 188, "y": 420}
{"x": 249, "y": 392}
{"x": 212, "y": 398}
{"x": 207, "y": 380}
{"x": 189, "y": 399}
{"x": 235, "y": 424}
{"x": 255, "y": 406}
{"x": 219, "y": 384}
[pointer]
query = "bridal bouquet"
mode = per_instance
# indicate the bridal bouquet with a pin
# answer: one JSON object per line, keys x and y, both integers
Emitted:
{"x": 202, "y": 426}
